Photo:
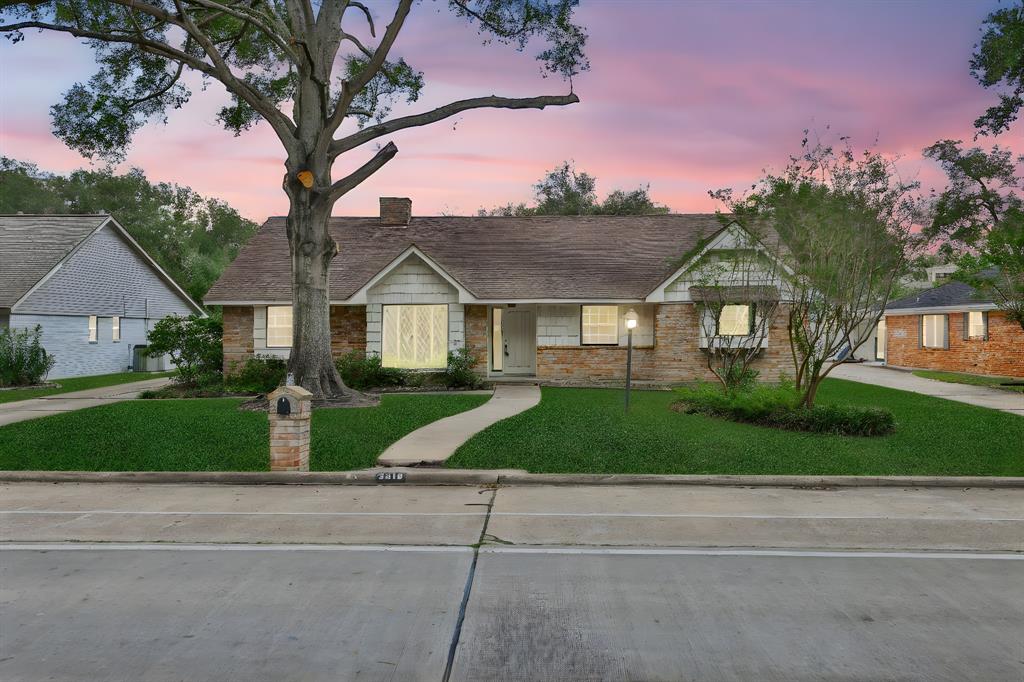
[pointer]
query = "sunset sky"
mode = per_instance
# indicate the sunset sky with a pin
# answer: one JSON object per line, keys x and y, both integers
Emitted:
{"x": 686, "y": 96}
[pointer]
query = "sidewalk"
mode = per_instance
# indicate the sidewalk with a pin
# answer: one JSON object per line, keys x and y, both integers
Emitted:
{"x": 437, "y": 441}
{"x": 33, "y": 408}
{"x": 993, "y": 398}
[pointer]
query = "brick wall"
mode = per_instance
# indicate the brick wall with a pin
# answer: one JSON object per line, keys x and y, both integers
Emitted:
{"x": 348, "y": 329}
{"x": 676, "y": 355}
{"x": 476, "y": 336}
{"x": 238, "y": 342}
{"x": 1001, "y": 355}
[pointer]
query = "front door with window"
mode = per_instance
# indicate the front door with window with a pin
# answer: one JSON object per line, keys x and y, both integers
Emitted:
{"x": 519, "y": 340}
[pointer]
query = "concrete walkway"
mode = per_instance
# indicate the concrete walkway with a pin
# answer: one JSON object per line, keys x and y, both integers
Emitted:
{"x": 994, "y": 398}
{"x": 437, "y": 441}
{"x": 22, "y": 410}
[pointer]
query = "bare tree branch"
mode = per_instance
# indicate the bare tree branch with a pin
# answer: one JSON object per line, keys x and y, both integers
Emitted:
{"x": 354, "y": 140}
{"x": 352, "y": 180}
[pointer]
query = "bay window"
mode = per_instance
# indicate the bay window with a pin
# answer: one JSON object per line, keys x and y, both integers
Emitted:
{"x": 934, "y": 331}
{"x": 599, "y": 325}
{"x": 279, "y": 326}
{"x": 414, "y": 336}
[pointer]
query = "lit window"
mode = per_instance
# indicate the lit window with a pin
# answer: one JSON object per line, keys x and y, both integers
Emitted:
{"x": 415, "y": 336}
{"x": 279, "y": 326}
{"x": 600, "y": 325}
{"x": 92, "y": 329}
{"x": 934, "y": 332}
{"x": 977, "y": 325}
{"x": 880, "y": 340}
{"x": 115, "y": 326}
{"x": 497, "y": 350}
{"x": 735, "y": 320}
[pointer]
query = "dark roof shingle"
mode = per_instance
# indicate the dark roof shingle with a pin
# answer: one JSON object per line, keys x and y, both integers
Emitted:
{"x": 556, "y": 257}
{"x": 949, "y": 294}
{"x": 31, "y": 245}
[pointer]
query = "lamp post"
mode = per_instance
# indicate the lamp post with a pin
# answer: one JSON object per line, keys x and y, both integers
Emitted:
{"x": 631, "y": 321}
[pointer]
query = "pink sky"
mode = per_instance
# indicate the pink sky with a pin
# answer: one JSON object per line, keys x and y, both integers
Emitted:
{"x": 686, "y": 96}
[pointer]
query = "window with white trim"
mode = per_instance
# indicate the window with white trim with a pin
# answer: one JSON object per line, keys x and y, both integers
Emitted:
{"x": 115, "y": 329}
{"x": 414, "y": 336}
{"x": 736, "y": 320}
{"x": 934, "y": 331}
{"x": 599, "y": 325}
{"x": 977, "y": 325}
{"x": 279, "y": 326}
{"x": 93, "y": 332}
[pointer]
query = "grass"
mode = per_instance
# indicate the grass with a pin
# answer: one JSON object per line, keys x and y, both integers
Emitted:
{"x": 210, "y": 435}
{"x": 586, "y": 430}
{"x": 79, "y": 384}
{"x": 971, "y": 379}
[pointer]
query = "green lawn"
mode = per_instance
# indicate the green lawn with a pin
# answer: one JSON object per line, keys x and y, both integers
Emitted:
{"x": 972, "y": 379}
{"x": 79, "y": 384}
{"x": 586, "y": 430}
{"x": 210, "y": 435}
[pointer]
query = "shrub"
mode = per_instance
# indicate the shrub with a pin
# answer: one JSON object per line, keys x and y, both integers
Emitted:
{"x": 260, "y": 374}
{"x": 194, "y": 344}
{"x": 778, "y": 407}
{"x": 459, "y": 372}
{"x": 361, "y": 371}
{"x": 23, "y": 360}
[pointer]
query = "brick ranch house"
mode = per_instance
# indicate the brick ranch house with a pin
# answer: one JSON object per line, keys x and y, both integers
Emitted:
{"x": 539, "y": 297}
{"x": 951, "y": 328}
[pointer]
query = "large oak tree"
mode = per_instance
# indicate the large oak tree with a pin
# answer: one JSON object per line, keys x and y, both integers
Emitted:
{"x": 302, "y": 67}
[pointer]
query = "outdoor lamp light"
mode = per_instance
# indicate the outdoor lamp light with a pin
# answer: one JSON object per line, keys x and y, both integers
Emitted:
{"x": 631, "y": 321}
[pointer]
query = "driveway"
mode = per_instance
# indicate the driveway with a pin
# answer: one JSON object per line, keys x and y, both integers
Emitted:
{"x": 994, "y": 398}
{"x": 118, "y": 581}
{"x": 22, "y": 410}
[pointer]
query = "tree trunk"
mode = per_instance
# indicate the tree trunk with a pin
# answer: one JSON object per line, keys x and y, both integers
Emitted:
{"x": 312, "y": 250}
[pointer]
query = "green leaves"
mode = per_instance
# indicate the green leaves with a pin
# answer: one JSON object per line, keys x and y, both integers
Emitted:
{"x": 999, "y": 62}
{"x": 393, "y": 82}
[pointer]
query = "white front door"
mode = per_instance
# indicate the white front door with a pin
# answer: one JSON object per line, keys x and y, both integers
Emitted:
{"x": 519, "y": 335}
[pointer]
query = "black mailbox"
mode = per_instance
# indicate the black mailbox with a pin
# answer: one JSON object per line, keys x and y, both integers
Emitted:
{"x": 284, "y": 406}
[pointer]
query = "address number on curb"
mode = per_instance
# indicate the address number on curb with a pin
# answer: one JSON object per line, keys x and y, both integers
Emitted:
{"x": 391, "y": 477}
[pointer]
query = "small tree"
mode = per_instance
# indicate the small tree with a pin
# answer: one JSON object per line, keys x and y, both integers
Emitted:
{"x": 194, "y": 344}
{"x": 739, "y": 296}
{"x": 844, "y": 230}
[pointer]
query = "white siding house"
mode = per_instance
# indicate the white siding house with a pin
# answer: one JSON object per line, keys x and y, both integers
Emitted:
{"x": 89, "y": 285}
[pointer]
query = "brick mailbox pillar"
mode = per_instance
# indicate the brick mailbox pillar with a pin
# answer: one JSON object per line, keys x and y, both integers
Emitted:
{"x": 290, "y": 410}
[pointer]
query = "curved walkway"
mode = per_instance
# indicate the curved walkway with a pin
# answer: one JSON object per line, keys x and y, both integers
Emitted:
{"x": 994, "y": 398}
{"x": 437, "y": 441}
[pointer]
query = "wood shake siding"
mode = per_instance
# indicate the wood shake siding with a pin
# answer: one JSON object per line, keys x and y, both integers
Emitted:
{"x": 1002, "y": 354}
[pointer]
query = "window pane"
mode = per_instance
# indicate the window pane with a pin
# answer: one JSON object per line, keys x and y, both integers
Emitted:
{"x": 414, "y": 336}
{"x": 92, "y": 328}
{"x": 279, "y": 326}
{"x": 976, "y": 325}
{"x": 497, "y": 348}
{"x": 934, "y": 327}
{"x": 116, "y": 328}
{"x": 600, "y": 324}
{"x": 734, "y": 320}
{"x": 880, "y": 340}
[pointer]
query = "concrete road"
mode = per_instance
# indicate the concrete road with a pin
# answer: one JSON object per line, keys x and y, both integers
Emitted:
{"x": 22, "y": 410}
{"x": 169, "y": 582}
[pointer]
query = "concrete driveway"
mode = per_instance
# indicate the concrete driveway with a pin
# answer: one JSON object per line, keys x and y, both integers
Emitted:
{"x": 21, "y": 410}
{"x": 117, "y": 581}
{"x": 994, "y": 398}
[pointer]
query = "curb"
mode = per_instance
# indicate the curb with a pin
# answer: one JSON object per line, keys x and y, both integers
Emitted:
{"x": 423, "y": 476}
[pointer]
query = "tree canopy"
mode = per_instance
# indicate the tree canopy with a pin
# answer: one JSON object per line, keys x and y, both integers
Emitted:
{"x": 192, "y": 237}
{"x": 568, "y": 191}
{"x": 998, "y": 62}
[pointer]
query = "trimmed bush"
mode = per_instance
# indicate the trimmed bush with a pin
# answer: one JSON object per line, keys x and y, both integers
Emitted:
{"x": 459, "y": 372}
{"x": 23, "y": 360}
{"x": 361, "y": 371}
{"x": 260, "y": 374}
{"x": 778, "y": 407}
{"x": 194, "y": 344}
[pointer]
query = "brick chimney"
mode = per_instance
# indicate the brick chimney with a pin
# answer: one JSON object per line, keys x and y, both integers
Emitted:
{"x": 395, "y": 211}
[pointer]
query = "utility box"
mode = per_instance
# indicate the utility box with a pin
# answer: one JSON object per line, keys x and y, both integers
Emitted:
{"x": 290, "y": 409}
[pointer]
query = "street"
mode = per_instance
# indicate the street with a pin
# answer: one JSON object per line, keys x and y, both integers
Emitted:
{"x": 402, "y": 582}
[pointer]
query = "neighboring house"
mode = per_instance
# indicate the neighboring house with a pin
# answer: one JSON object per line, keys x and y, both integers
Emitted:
{"x": 952, "y": 328}
{"x": 89, "y": 285}
{"x": 541, "y": 297}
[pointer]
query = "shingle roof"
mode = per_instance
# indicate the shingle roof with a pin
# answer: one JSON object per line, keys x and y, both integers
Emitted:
{"x": 949, "y": 294}
{"x": 31, "y": 245}
{"x": 558, "y": 257}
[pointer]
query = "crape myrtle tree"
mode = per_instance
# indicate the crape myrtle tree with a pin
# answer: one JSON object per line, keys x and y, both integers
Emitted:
{"x": 844, "y": 224}
{"x": 302, "y": 67}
